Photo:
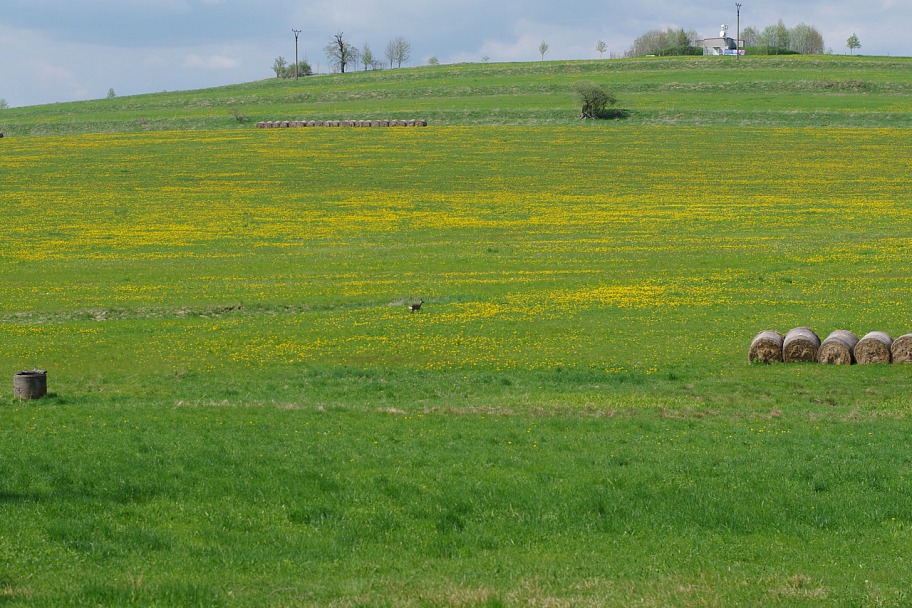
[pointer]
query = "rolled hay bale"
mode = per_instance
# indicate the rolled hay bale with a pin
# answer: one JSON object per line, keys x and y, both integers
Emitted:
{"x": 311, "y": 123}
{"x": 902, "y": 349}
{"x": 421, "y": 123}
{"x": 375, "y": 123}
{"x": 838, "y": 348}
{"x": 384, "y": 123}
{"x": 411, "y": 122}
{"x": 875, "y": 347}
{"x": 800, "y": 346}
{"x": 766, "y": 347}
{"x": 261, "y": 125}
{"x": 297, "y": 123}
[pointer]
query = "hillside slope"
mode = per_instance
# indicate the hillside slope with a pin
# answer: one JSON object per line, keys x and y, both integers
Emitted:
{"x": 772, "y": 91}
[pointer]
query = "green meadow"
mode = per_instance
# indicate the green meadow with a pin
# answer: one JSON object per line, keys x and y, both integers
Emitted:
{"x": 243, "y": 411}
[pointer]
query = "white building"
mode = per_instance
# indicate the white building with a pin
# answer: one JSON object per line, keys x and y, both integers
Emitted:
{"x": 723, "y": 45}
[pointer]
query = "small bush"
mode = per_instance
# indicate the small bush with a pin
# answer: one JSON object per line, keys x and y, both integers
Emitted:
{"x": 768, "y": 50}
{"x": 594, "y": 98}
{"x": 680, "y": 51}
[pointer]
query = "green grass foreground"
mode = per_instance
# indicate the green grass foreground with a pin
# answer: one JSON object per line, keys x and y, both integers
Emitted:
{"x": 243, "y": 412}
{"x": 144, "y": 504}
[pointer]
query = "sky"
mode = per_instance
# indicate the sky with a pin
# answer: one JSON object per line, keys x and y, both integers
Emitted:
{"x": 67, "y": 50}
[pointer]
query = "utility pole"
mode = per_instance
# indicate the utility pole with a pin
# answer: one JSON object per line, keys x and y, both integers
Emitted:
{"x": 738, "y": 31}
{"x": 296, "y": 32}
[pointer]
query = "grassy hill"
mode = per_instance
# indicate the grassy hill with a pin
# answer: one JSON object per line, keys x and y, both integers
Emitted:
{"x": 774, "y": 91}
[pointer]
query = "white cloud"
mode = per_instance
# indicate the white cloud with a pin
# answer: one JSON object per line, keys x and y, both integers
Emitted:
{"x": 210, "y": 62}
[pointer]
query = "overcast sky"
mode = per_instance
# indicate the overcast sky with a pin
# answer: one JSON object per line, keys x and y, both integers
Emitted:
{"x": 65, "y": 50}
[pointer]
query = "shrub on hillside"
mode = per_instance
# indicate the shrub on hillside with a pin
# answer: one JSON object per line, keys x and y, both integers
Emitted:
{"x": 594, "y": 98}
{"x": 767, "y": 50}
{"x": 680, "y": 51}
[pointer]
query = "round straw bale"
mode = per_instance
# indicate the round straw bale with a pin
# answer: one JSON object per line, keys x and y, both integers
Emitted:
{"x": 902, "y": 349}
{"x": 311, "y": 123}
{"x": 421, "y": 123}
{"x": 874, "y": 348}
{"x": 800, "y": 345}
{"x": 261, "y": 124}
{"x": 838, "y": 348}
{"x": 766, "y": 347}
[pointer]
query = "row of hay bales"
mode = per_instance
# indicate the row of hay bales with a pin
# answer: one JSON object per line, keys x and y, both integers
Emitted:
{"x": 841, "y": 347}
{"x": 284, "y": 124}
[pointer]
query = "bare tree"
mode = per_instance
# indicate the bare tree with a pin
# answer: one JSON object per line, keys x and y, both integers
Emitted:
{"x": 543, "y": 48}
{"x": 655, "y": 42}
{"x": 340, "y": 53}
{"x": 806, "y": 39}
{"x": 601, "y": 47}
{"x": 774, "y": 37}
{"x": 749, "y": 36}
{"x": 398, "y": 51}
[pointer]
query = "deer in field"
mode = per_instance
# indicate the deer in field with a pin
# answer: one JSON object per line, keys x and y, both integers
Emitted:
{"x": 415, "y": 307}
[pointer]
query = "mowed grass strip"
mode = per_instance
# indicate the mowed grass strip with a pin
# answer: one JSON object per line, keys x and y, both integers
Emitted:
{"x": 811, "y": 90}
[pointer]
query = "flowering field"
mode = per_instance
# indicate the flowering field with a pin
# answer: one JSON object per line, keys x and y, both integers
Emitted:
{"x": 533, "y": 248}
{"x": 245, "y": 412}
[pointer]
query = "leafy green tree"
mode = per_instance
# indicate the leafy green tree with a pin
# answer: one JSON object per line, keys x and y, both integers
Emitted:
{"x": 111, "y": 93}
{"x": 543, "y": 48}
{"x": 853, "y": 43}
{"x": 601, "y": 47}
{"x": 594, "y": 98}
{"x": 433, "y": 60}
{"x": 367, "y": 57}
{"x": 3, "y": 104}
{"x": 283, "y": 69}
{"x": 279, "y": 66}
